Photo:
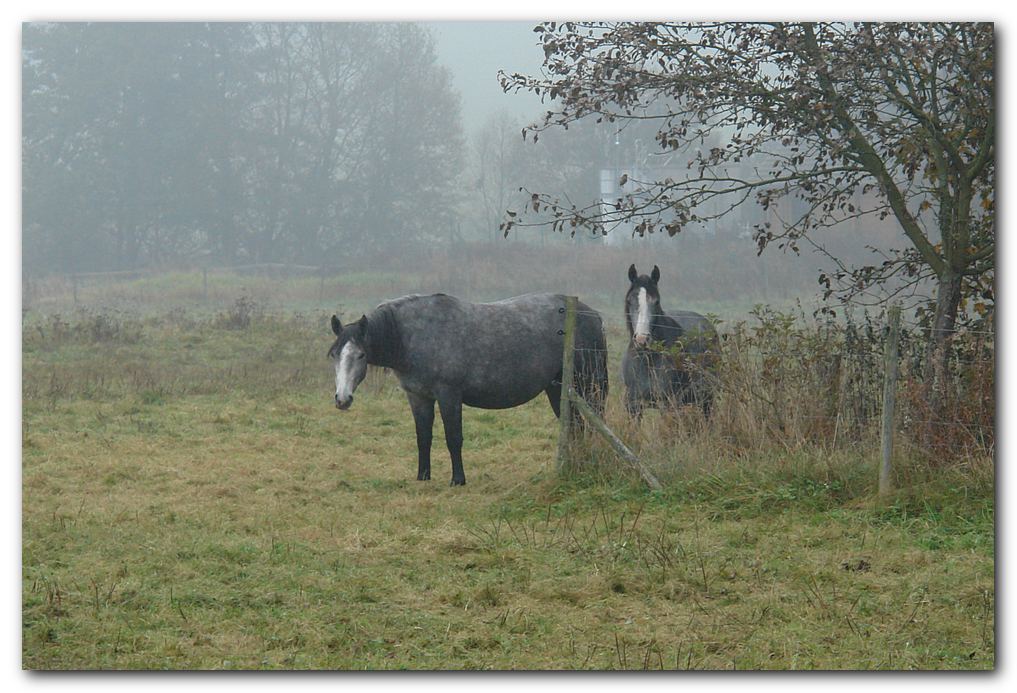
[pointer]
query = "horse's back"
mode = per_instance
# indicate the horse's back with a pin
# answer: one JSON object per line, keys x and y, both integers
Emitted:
{"x": 499, "y": 354}
{"x": 520, "y": 316}
{"x": 691, "y": 320}
{"x": 696, "y": 331}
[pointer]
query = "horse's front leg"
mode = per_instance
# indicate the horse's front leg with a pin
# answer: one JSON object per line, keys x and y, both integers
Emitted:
{"x": 423, "y": 418}
{"x": 452, "y": 417}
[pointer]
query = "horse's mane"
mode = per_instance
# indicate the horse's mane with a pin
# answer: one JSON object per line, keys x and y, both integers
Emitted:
{"x": 384, "y": 336}
{"x": 625, "y": 312}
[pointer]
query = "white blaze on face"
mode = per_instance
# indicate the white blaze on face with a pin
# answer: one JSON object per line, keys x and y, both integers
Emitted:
{"x": 345, "y": 372}
{"x": 642, "y": 328}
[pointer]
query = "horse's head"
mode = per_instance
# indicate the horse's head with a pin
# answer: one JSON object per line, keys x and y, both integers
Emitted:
{"x": 642, "y": 302}
{"x": 349, "y": 354}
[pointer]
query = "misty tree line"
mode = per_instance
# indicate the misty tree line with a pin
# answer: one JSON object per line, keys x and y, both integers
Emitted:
{"x": 148, "y": 144}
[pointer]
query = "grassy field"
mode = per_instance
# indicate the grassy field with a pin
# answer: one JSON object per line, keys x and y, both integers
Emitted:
{"x": 192, "y": 500}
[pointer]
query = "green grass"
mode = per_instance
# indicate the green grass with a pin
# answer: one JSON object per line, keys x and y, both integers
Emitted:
{"x": 191, "y": 500}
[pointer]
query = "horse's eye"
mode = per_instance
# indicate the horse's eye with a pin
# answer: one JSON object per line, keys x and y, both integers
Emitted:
{"x": 361, "y": 356}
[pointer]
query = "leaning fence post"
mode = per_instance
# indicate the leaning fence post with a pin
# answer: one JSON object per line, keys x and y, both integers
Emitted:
{"x": 599, "y": 424}
{"x": 889, "y": 397}
{"x": 567, "y": 365}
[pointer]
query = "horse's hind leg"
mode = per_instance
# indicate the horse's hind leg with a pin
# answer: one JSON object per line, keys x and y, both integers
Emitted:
{"x": 634, "y": 407}
{"x": 700, "y": 395}
{"x": 554, "y": 397}
{"x": 452, "y": 417}
{"x": 423, "y": 419}
{"x": 591, "y": 377}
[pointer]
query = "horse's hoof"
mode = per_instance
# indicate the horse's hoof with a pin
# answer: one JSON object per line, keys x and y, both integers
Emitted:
{"x": 457, "y": 482}
{"x": 423, "y": 477}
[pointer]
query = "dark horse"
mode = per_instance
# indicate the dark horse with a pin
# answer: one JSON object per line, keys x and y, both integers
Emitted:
{"x": 488, "y": 355}
{"x": 670, "y": 356}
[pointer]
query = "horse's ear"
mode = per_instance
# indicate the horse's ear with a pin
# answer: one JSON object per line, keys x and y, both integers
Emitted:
{"x": 655, "y": 274}
{"x": 337, "y": 326}
{"x": 632, "y": 272}
{"x": 362, "y": 324}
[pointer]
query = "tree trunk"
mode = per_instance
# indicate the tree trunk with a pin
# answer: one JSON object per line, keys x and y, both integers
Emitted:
{"x": 948, "y": 296}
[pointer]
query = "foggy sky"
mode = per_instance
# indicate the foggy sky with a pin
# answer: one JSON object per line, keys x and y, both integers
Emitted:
{"x": 475, "y": 51}
{"x": 190, "y": 145}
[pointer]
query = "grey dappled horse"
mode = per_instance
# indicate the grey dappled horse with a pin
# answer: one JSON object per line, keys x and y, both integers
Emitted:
{"x": 670, "y": 356}
{"x": 488, "y": 355}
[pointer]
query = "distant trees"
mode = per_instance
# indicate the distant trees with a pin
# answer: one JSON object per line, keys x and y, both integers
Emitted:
{"x": 505, "y": 167}
{"x": 848, "y": 121}
{"x": 108, "y": 140}
{"x": 150, "y": 143}
{"x": 500, "y": 168}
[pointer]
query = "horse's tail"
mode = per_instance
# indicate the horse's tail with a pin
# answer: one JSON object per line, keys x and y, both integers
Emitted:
{"x": 590, "y": 371}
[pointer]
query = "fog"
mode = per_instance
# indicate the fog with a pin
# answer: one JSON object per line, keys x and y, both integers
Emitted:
{"x": 474, "y": 52}
{"x": 383, "y": 154}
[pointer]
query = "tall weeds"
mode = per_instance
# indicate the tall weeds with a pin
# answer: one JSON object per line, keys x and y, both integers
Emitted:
{"x": 806, "y": 395}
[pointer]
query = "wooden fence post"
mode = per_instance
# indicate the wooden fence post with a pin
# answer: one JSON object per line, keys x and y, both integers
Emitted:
{"x": 889, "y": 397}
{"x": 567, "y": 365}
{"x": 204, "y": 284}
{"x": 598, "y": 423}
